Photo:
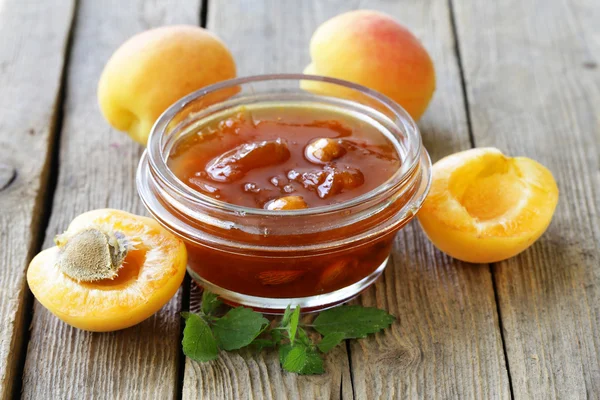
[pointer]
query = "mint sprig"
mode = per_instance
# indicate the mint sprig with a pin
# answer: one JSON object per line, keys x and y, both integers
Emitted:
{"x": 205, "y": 333}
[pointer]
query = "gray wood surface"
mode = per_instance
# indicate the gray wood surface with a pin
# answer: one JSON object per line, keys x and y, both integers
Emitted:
{"x": 532, "y": 76}
{"x": 30, "y": 77}
{"x": 533, "y": 80}
{"x": 97, "y": 169}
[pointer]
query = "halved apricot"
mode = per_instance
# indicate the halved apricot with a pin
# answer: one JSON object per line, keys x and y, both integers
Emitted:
{"x": 110, "y": 270}
{"x": 485, "y": 207}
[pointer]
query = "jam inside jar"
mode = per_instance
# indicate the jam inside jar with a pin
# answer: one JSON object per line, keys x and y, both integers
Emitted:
{"x": 284, "y": 196}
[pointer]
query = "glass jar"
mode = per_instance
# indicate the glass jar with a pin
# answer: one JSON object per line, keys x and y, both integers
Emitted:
{"x": 316, "y": 257}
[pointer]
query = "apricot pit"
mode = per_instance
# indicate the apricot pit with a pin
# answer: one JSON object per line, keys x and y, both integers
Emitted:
{"x": 91, "y": 255}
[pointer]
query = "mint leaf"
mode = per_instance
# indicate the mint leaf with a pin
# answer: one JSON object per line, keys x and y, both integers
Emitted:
{"x": 283, "y": 352}
{"x": 313, "y": 365}
{"x": 295, "y": 359}
{"x": 330, "y": 341}
{"x": 210, "y": 302}
{"x": 352, "y": 321}
{"x": 303, "y": 337}
{"x": 294, "y": 319}
{"x": 286, "y": 316}
{"x": 301, "y": 360}
{"x": 238, "y": 328}
{"x": 276, "y": 335}
{"x": 261, "y": 344}
{"x": 198, "y": 341}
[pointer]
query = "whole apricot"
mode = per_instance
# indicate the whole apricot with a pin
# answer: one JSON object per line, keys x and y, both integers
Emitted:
{"x": 372, "y": 49}
{"x": 109, "y": 270}
{"x": 154, "y": 69}
{"x": 485, "y": 207}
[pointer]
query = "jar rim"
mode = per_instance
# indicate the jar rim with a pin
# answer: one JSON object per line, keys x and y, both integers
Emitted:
{"x": 158, "y": 162}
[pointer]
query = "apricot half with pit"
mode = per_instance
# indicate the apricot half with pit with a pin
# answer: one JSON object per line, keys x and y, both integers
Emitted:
{"x": 110, "y": 270}
{"x": 485, "y": 207}
{"x": 154, "y": 69}
{"x": 374, "y": 50}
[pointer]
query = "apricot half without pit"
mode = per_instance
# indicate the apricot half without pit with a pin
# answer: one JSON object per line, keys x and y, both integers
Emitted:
{"x": 485, "y": 207}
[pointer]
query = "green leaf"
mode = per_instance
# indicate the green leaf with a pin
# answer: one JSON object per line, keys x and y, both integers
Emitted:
{"x": 276, "y": 335}
{"x": 210, "y": 302}
{"x": 330, "y": 341}
{"x": 303, "y": 337}
{"x": 291, "y": 358}
{"x": 286, "y": 316}
{"x": 294, "y": 319}
{"x": 313, "y": 365}
{"x": 295, "y": 359}
{"x": 238, "y": 328}
{"x": 352, "y": 321}
{"x": 198, "y": 341}
{"x": 261, "y": 344}
{"x": 283, "y": 352}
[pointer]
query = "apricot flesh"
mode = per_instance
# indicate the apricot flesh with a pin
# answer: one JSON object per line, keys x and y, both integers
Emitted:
{"x": 151, "y": 273}
{"x": 154, "y": 69}
{"x": 372, "y": 49}
{"x": 486, "y": 207}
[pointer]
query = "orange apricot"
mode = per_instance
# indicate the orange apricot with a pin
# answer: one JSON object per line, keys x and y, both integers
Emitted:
{"x": 372, "y": 49}
{"x": 157, "y": 67}
{"x": 110, "y": 270}
{"x": 485, "y": 207}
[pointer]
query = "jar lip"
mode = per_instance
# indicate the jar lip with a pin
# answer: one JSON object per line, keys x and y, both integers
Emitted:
{"x": 158, "y": 163}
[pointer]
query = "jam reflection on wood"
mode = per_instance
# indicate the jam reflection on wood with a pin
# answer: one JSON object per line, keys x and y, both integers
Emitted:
{"x": 285, "y": 159}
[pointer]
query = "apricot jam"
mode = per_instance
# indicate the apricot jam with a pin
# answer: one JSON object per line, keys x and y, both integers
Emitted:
{"x": 314, "y": 156}
{"x": 283, "y": 196}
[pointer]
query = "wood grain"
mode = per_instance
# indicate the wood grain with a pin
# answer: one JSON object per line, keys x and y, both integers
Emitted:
{"x": 97, "y": 168}
{"x": 30, "y": 84}
{"x": 264, "y": 36}
{"x": 533, "y": 82}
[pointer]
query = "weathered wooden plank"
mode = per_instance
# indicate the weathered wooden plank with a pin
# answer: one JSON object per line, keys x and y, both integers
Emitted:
{"x": 531, "y": 70}
{"x": 30, "y": 84}
{"x": 264, "y": 36}
{"x": 97, "y": 168}
{"x": 447, "y": 343}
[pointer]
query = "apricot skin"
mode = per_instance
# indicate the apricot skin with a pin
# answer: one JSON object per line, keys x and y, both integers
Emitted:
{"x": 372, "y": 49}
{"x": 154, "y": 69}
{"x": 485, "y": 207}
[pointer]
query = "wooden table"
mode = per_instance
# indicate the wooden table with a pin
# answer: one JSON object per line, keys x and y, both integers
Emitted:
{"x": 519, "y": 75}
